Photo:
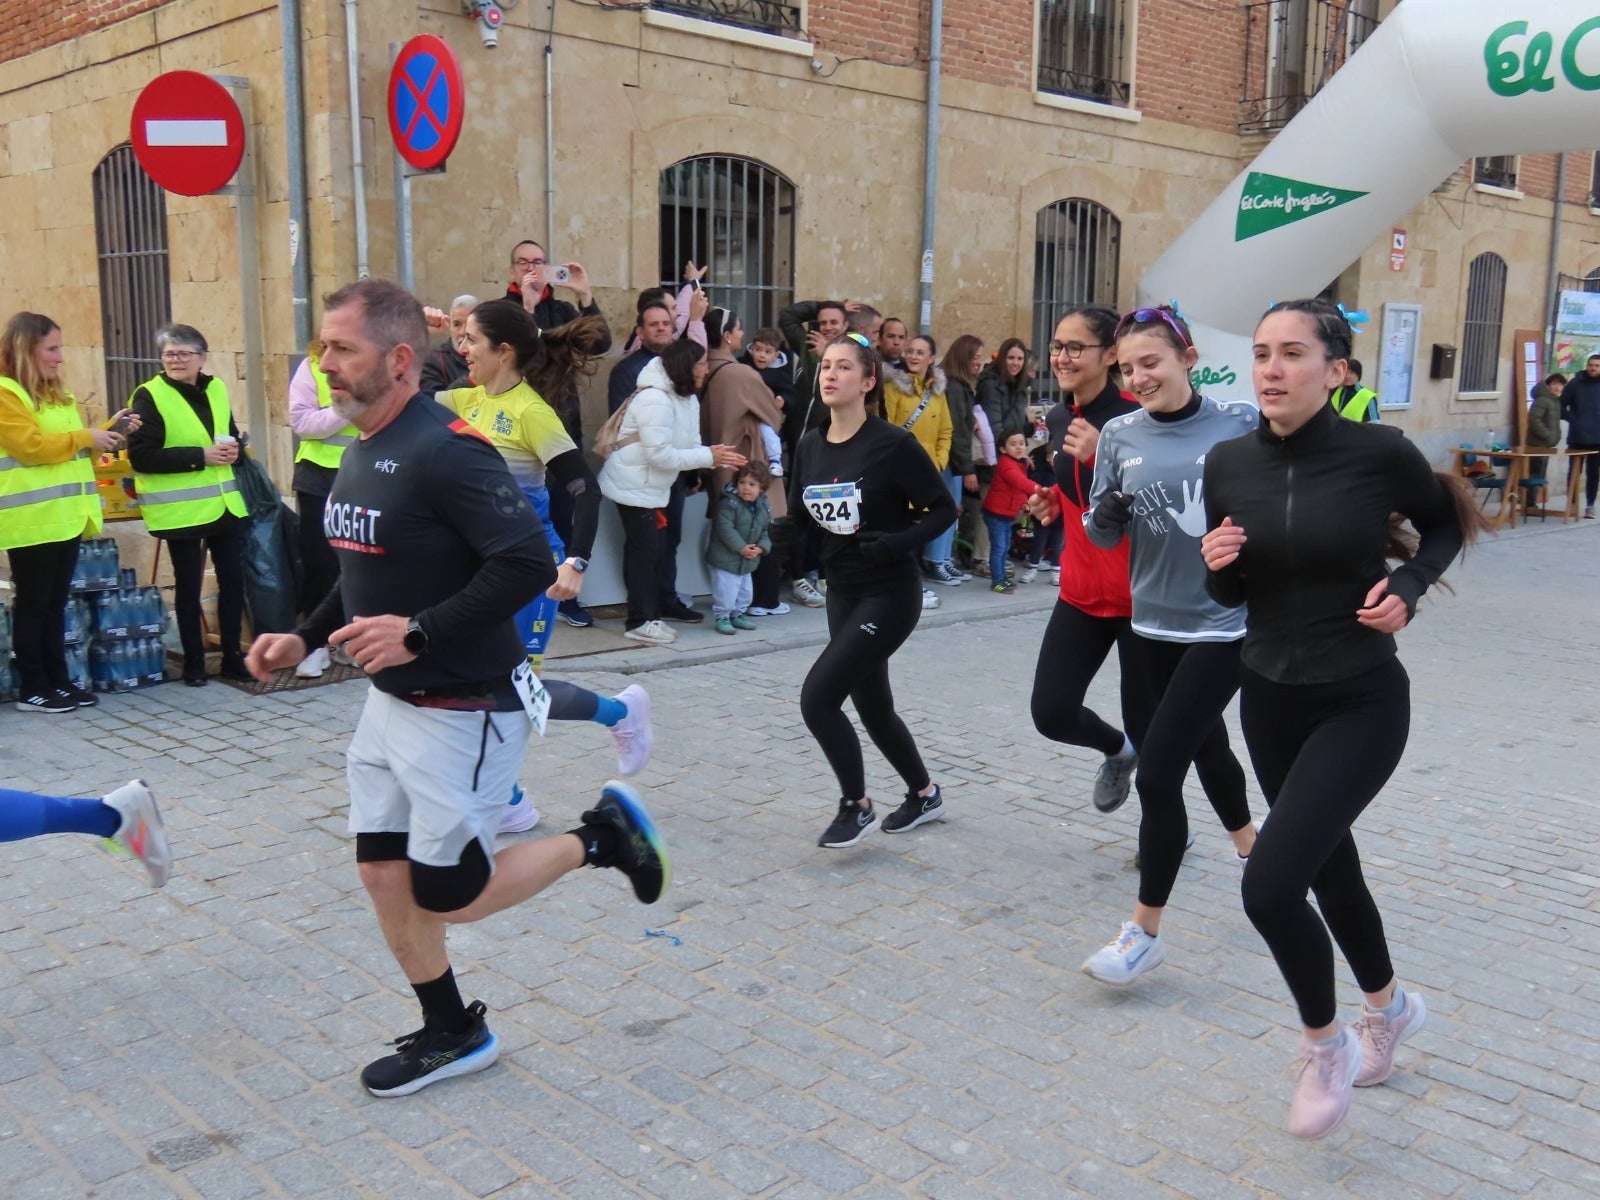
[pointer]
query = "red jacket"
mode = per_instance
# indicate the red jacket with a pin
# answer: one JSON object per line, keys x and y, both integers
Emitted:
{"x": 1093, "y": 580}
{"x": 1008, "y": 494}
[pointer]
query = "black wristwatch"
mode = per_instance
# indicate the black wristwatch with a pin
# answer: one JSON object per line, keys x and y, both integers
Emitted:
{"x": 416, "y": 640}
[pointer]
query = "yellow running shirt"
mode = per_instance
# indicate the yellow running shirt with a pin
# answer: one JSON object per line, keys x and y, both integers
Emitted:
{"x": 519, "y": 424}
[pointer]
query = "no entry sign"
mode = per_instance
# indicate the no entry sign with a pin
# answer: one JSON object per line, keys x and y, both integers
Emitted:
{"x": 426, "y": 101}
{"x": 187, "y": 133}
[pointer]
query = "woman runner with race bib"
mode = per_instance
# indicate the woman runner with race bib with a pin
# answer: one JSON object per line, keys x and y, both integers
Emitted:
{"x": 878, "y": 500}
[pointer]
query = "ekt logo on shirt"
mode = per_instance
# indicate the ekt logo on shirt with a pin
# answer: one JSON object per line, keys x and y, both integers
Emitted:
{"x": 352, "y": 527}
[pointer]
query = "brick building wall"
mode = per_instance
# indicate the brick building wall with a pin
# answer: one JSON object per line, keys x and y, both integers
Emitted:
{"x": 28, "y": 25}
{"x": 1190, "y": 62}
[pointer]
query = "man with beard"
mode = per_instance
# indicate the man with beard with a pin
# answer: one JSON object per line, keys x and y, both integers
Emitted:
{"x": 438, "y": 550}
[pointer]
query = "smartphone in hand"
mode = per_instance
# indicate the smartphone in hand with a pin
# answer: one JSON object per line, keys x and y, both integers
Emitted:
{"x": 560, "y": 275}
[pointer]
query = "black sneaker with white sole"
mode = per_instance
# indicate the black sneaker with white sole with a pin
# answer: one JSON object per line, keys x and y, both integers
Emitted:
{"x": 47, "y": 702}
{"x": 851, "y": 825}
{"x": 429, "y": 1055}
{"x": 917, "y": 810}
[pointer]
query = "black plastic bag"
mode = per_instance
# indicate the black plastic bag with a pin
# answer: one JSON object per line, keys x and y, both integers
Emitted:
{"x": 270, "y": 543}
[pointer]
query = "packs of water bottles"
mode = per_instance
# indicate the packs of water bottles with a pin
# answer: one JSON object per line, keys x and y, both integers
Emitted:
{"x": 123, "y": 612}
{"x": 8, "y": 673}
{"x": 98, "y": 566}
{"x": 119, "y": 666}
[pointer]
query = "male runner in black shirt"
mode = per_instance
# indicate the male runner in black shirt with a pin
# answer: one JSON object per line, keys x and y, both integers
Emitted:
{"x": 438, "y": 550}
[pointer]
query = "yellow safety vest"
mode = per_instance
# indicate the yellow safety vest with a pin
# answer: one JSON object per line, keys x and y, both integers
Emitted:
{"x": 1353, "y": 405}
{"x": 54, "y": 502}
{"x": 325, "y": 452}
{"x": 183, "y": 501}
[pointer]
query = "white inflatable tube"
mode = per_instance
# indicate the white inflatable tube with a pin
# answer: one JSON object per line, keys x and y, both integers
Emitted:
{"x": 1439, "y": 82}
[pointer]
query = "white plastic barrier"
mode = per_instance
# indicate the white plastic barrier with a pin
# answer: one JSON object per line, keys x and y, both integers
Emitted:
{"x": 602, "y": 583}
{"x": 1439, "y": 82}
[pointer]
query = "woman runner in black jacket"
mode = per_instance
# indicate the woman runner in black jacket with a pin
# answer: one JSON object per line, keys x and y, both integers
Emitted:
{"x": 1300, "y": 520}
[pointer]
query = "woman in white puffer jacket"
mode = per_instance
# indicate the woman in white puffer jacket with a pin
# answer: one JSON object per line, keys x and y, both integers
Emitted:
{"x": 659, "y": 438}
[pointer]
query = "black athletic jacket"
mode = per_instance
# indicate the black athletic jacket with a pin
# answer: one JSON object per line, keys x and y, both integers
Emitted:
{"x": 1315, "y": 508}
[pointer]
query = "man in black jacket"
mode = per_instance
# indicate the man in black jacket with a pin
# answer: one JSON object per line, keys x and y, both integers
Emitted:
{"x": 654, "y": 328}
{"x": 1580, "y": 409}
{"x": 446, "y": 367}
{"x": 529, "y": 265}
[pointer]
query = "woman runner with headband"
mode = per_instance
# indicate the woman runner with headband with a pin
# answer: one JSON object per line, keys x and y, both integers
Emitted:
{"x": 1324, "y": 703}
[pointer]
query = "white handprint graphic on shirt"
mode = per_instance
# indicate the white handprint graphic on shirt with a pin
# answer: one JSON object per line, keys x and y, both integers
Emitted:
{"x": 1192, "y": 520}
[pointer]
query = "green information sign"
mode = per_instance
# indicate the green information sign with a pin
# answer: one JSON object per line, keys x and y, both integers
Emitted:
{"x": 1271, "y": 201}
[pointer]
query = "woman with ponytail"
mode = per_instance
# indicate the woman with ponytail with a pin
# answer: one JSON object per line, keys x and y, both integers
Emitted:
{"x": 1301, "y": 519}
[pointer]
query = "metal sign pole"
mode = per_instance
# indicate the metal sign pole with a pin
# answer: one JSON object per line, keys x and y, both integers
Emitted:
{"x": 243, "y": 188}
{"x": 402, "y": 204}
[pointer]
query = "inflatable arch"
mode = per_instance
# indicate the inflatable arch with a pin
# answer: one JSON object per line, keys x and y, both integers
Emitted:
{"x": 1438, "y": 83}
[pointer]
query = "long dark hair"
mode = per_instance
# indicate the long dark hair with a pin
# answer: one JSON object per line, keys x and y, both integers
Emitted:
{"x": 718, "y": 321}
{"x": 957, "y": 361}
{"x": 553, "y": 360}
{"x": 1332, "y": 328}
{"x": 1021, "y": 377}
{"x": 871, "y": 363}
{"x": 678, "y": 361}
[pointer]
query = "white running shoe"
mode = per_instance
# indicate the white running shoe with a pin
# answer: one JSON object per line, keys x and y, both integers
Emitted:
{"x": 520, "y": 815}
{"x": 807, "y": 593}
{"x": 141, "y": 833}
{"x": 781, "y": 608}
{"x": 633, "y": 734}
{"x": 929, "y": 600}
{"x": 314, "y": 664}
{"x": 655, "y": 632}
{"x": 1126, "y": 957}
{"x": 1027, "y": 574}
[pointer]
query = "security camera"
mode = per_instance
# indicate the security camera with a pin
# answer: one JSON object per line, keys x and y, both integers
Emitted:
{"x": 489, "y": 17}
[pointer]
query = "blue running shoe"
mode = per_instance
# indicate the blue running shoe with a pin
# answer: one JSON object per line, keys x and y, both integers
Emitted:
{"x": 642, "y": 854}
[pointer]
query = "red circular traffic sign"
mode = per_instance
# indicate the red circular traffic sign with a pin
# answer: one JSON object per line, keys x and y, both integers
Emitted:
{"x": 427, "y": 101}
{"x": 187, "y": 133}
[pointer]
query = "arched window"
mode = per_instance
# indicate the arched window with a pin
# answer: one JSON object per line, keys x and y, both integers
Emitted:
{"x": 737, "y": 215}
{"x": 1480, "y": 339}
{"x": 1077, "y": 248}
{"x": 130, "y": 229}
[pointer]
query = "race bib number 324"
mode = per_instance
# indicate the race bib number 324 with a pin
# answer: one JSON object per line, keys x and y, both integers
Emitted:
{"x": 834, "y": 506}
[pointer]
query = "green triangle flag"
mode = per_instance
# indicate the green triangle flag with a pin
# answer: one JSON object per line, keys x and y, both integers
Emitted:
{"x": 1272, "y": 201}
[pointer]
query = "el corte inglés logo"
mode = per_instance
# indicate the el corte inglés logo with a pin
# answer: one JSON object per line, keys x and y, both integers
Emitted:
{"x": 1271, "y": 201}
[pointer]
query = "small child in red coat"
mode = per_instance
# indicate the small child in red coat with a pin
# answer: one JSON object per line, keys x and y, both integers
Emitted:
{"x": 1007, "y": 499}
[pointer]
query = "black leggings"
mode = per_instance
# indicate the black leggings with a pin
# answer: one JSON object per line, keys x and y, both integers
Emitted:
{"x": 1321, "y": 753}
{"x": 188, "y": 574}
{"x": 1074, "y": 647}
{"x": 1195, "y": 681}
{"x": 864, "y": 629}
{"x": 42, "y": 578}
{"x": 320, "y": 562}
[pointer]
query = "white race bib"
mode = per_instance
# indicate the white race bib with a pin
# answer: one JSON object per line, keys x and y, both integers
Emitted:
{"x": 834, "y": 506}
{"x": 535, "y": 699}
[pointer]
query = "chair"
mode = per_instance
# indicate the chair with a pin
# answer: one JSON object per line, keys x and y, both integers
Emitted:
{"x": 1484, "y": 483}
{"x": 1530, "y": 485}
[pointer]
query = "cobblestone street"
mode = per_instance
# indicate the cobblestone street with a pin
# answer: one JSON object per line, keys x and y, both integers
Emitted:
{"x": 903, "y": 1019}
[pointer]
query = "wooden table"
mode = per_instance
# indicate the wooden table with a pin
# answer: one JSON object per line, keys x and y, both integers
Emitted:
{"x": 1517, "y": 459}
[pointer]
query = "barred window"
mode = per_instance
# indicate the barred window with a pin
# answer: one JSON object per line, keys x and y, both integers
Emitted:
{"x": 764, "y": 16}
{"x": 1082, "y": 49}
{"x": 130, "y": 227}
{"x": 737, "y": 216}
{"x": 1499, "y": 170}
{"x": 1077, "y": 252}
{"x": 1480, "y": 339}
{"x": 1292, "y": 48}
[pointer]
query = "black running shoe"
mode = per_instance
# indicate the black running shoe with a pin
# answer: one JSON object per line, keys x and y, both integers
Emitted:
{"x": 682, "y": 614}
{"x": 642, "y": 854}
{"x": 46, "y": 702}
{"x": 78, "y": 696}
{"x": 429, "y": 1055}
{"x": 851, "y": 825}
{"x": 917, "y": 810}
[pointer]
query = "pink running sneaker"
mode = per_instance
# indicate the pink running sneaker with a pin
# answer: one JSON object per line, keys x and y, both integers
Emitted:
{"x": 1380, "y": 1037}
{"x": 1324, "y": 1076}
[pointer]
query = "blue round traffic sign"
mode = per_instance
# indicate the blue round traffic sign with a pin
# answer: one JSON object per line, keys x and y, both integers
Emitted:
{"x": 427, "y": 102}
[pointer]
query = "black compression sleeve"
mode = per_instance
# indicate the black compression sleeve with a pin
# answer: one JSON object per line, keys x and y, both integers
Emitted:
{"x": 571, "y": 471}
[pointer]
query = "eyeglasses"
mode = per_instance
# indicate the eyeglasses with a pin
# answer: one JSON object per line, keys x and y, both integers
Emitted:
{"x": 1073, "y": 349}
{"x": 1146, "y": 316}
{"x": 527, "y": 264}
{"x": 180, "y": 355}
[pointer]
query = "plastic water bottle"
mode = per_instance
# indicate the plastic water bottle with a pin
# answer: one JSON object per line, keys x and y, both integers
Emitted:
{"x": 78, "y": 667}
{"x": 100, "y": 667}
{"x": 1488, "y": 438}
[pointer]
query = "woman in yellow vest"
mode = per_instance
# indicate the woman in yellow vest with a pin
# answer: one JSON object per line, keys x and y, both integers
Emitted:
{"x": 48, "y": 502}
{"x": 183, "y": 456}
{"x": 324, "y": 435}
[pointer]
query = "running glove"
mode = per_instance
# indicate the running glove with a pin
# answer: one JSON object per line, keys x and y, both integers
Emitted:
{"x": 1114, "y": 510}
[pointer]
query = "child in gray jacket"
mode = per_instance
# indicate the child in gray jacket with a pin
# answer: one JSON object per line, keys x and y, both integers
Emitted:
{"x": 739, "y": 538}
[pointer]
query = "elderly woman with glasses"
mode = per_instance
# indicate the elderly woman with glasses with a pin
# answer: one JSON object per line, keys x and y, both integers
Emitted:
{"x": 183, "y": 455}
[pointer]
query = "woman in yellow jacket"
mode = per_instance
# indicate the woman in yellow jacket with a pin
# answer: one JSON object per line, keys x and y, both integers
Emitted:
{"x": 48, "y": 502}
{"x": 914, "y": 399}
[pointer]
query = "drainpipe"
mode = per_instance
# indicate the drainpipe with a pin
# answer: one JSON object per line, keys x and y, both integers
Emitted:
{"x": 930, "y": 167}
{"x": 295, "y": 131}
{"x": 1555, "y": 257}
{"x": 550, "y": 135}
{"x": 358, "y": 169}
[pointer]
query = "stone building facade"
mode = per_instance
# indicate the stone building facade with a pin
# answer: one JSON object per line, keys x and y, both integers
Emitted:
{"x": 1078, "y": 139}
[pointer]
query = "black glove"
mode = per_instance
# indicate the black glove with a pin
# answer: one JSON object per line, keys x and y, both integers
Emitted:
{"x": 874, "y": 548}
{"x": 1114, "y": 510}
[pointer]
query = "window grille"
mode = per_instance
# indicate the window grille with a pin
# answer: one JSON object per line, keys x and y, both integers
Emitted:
{"x": 1077, "y": 249}
{"x": 766, "y": 16}
{"x": 737, "y": 216}
{"x": 130, "y": 224}
{"x": 1480, "y": 339}
{"x": 1499, "y": 170}
{"x": 1292, "y": 48}
{"x": 1082, "y": 45}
